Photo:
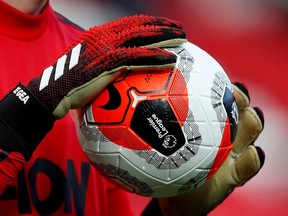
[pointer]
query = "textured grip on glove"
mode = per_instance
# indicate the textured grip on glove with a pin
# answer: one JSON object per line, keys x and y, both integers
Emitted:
{"x": 127, "y": 43}
{"x": 24, "y": 128}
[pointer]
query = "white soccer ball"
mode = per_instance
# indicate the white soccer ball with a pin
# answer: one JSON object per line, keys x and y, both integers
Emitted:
{"x": 162, "y": 133}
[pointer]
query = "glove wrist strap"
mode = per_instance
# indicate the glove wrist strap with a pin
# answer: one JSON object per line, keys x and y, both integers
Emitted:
{"x": 24, "y": 120}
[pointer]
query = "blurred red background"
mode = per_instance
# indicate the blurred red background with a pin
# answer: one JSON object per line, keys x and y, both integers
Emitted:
{"x": 249, "y": 39}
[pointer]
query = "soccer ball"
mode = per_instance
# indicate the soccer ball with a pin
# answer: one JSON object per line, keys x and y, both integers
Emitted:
{"x": 161, "y": 133}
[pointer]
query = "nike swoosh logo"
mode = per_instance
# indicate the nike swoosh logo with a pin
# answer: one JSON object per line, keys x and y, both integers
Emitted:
{"x": 114, "y": 101}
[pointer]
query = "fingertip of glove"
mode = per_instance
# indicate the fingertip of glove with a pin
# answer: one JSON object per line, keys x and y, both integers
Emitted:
{"x": 162, "y": 56}
{"x": 243, "y": 88}
{"x": 261, "y": 155}
{"x": 143, "y": 19}
{"x": 172, "y": 32}
{"x": 168, "y": 22}
{"x": 260, "y": 114}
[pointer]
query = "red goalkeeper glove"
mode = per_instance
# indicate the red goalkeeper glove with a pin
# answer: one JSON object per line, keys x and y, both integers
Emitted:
{"x": 86, "y": 68}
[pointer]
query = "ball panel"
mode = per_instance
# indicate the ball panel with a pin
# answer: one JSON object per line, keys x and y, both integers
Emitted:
{"x": 159, "y": 126}
{"x": 222, "y": 151}
{"x": 147, "y": 82}
{"x": 125, "y": 137}
{"x": 180, "y": 108}
{"x": 113, "y": 105}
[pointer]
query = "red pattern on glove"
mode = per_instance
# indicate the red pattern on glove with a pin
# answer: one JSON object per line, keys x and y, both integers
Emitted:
{"x": 119, "y": 44}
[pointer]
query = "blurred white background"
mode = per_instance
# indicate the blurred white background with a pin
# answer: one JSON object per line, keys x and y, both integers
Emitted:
{"x": 249, "y": 39}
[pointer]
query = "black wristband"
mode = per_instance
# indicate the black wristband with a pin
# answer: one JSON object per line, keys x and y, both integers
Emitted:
{"x": 24, "y": 120}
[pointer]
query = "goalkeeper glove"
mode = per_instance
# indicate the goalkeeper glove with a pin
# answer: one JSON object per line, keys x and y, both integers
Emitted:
{"x": 86, "y": 68}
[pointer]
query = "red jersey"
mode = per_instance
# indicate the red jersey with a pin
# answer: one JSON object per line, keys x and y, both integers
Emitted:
{"x": 58, "y": 179}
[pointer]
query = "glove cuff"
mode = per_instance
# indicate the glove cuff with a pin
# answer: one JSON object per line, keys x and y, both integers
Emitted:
{"x": 24, "y": 121}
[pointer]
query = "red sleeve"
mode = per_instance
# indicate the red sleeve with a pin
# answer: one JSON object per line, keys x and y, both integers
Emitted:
{"x": 10, "y": 165}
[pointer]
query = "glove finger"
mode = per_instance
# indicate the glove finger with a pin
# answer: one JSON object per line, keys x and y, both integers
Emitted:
{"x": 242, "y": 96}
{"x": 251, "y": 123}
{"x": 248, "y": 164}
{"x": 140, "y": 20}
{"x": 133, "y": 58}
{"x": 111, "y": 62}
{"x": 151, "y": 35}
